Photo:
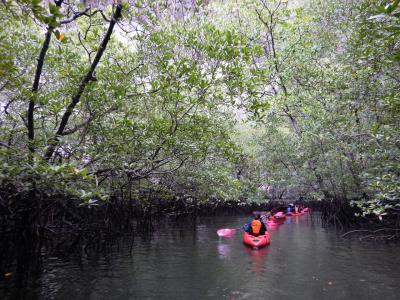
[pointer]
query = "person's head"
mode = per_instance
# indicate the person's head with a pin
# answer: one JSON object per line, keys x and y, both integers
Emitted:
{"x": 256, "y": 216}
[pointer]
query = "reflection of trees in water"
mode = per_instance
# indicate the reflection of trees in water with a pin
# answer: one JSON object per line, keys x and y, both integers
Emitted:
{"x": 20, "y": 259}
{"x": 292, "y": 219}
{"x": 25, "y": 272}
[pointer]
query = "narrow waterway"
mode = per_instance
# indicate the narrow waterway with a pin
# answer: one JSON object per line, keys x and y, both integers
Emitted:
{"x": 303, "y": 261}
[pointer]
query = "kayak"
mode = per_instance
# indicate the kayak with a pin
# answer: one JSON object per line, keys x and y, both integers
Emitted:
{"x": 290, "y": 214}
{"x": 256, "y": 241}
{"x": 279, "y": 214}
{"x": 280, "y": 221}
{"x": 280, "y": 217}
{"x": 272, "y": 224}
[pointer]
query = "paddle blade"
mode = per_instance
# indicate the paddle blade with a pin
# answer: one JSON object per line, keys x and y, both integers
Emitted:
{"x": 226, "y": 232}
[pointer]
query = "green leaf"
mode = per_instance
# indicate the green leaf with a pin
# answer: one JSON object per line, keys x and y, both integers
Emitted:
{"x": 53, "y": 8}
{"x": 57, "y": 34}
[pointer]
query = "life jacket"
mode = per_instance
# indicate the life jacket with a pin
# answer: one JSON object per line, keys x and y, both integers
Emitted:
{"x": 256, "y": 226}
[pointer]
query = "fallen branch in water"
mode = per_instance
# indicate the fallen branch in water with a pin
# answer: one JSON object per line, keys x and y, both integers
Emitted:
{"x": 373, "y": 233}
{"x": 352, "y": 231}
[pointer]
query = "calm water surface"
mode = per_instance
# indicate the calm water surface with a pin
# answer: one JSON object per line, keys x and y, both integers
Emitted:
{"x": 304, "y": 261}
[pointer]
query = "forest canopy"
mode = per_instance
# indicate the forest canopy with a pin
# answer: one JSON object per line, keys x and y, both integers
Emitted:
{"x": 208, "y": 101}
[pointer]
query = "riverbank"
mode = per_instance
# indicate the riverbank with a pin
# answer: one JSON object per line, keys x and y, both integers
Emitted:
{"x": 66, "y": 223}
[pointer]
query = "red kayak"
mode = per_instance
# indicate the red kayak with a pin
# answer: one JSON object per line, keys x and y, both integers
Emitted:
{"x": 256, "y": 241}
{"x": 280, "y": 221}
{"x": 269, "y": 223}
{"x": 272, "y": 224}
{"x": 291, "y": 214}
{"x": 280, "y": 217}
{"x": 279, "y": 214}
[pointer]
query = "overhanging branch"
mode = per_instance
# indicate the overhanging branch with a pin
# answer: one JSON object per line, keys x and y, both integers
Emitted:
{"x": 85, "y": 80}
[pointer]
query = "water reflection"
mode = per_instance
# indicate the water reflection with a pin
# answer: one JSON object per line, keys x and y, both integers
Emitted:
{"x": 303, "y": 262}
{"x": 224, "y": 250}
{"x": 258, "y": 258}
{"x": 275, "y": 228}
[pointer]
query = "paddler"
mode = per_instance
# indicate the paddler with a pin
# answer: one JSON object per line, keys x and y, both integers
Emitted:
{"x": 257, "y": 226}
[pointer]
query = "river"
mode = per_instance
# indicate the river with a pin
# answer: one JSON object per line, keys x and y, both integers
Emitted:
{"x": 303, "y": 261}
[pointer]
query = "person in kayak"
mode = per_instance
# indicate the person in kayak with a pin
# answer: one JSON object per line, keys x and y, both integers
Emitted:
{"x": 272, "y": 218}
{"x": 256, "y": 226}
{"x": 290, "y": 208}
{"x": 264, "y": 217}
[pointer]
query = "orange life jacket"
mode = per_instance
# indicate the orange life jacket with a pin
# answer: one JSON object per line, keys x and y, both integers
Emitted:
{"x": 256, "y": 226}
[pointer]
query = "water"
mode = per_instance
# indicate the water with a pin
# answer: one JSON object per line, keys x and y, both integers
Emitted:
{"x": 304, "y": 261}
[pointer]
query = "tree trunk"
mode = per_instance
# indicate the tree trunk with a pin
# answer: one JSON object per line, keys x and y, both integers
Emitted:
{"x": 85, "y": 80}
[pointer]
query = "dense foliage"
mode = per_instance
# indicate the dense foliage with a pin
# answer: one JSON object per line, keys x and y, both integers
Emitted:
{"x": 206, "y": 101}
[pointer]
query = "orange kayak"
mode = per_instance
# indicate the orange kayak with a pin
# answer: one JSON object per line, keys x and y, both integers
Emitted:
{"x": 256, "y": 241}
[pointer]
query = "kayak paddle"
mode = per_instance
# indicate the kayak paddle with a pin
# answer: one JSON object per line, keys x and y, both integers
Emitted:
{"x": 227, "y": 232}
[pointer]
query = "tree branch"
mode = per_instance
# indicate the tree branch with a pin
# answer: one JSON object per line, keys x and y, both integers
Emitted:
{"x": 88, "y": 77}
{"x": 79, "y": 14}
{"x": 35, "y": 86}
